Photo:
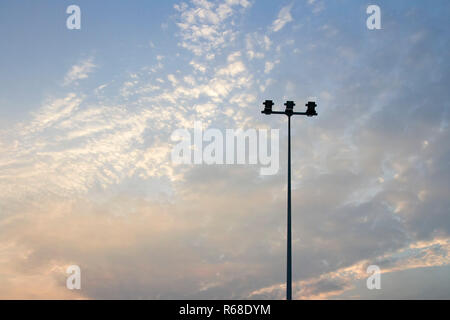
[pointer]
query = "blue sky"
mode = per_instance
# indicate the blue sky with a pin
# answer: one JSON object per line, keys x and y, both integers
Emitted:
{"x": 85, "y": 173}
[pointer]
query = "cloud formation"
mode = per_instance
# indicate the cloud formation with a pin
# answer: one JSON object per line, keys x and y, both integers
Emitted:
{"x": 79, "y": 71}
{"x": 86, "y": 179}
{"x": 284, "y": 17}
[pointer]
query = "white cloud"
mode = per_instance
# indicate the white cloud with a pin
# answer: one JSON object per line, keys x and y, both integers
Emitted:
{"x": 172, "y": 79}
{"x": 317, "y": 6}
{"x": 197, "y": 66}
{"x": 204, "y": 25}
{"x": 232, "y": 69}
{"x": 205, "y": 110}
{"x": 256, "y": 44}
{"x": 268, "y": 67}
{"x": 189, "y": 80}
{"x": 284, "y": 17}
{"x": 79, "y": 71}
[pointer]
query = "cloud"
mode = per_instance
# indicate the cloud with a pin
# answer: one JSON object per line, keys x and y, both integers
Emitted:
{"x": 172, "y": 79}
{"x": 284, "y": 17}
{"x": 204, "y": 25}
{"x": 268, "y": 67}
{"x": 341, "y": 282}
{"x": 79, "y": 71}
{"x": 317, "y": 6}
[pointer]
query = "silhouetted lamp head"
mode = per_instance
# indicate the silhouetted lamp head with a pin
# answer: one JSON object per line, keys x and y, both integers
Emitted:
{"x": 268, "y": 104}
{"x": 311, "y": 111}
{"x": 289, "y": 107}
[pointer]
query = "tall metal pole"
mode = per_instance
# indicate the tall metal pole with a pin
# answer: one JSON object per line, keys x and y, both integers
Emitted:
{"x": 310, "y": 112}
{"x": 289, "y": 236}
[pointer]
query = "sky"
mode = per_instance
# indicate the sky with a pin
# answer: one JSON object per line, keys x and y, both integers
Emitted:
{"x": 86, "y": 177}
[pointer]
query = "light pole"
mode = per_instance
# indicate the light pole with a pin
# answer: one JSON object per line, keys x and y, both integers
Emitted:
{"x": 310, "y": 112}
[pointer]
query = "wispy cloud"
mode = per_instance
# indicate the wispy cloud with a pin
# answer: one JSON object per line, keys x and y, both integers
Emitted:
{"x": 316, "y": 5}
{"x": 203, "y": 25}
{"x": 284, "y": 17}
{"x": 79, "y": 71}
